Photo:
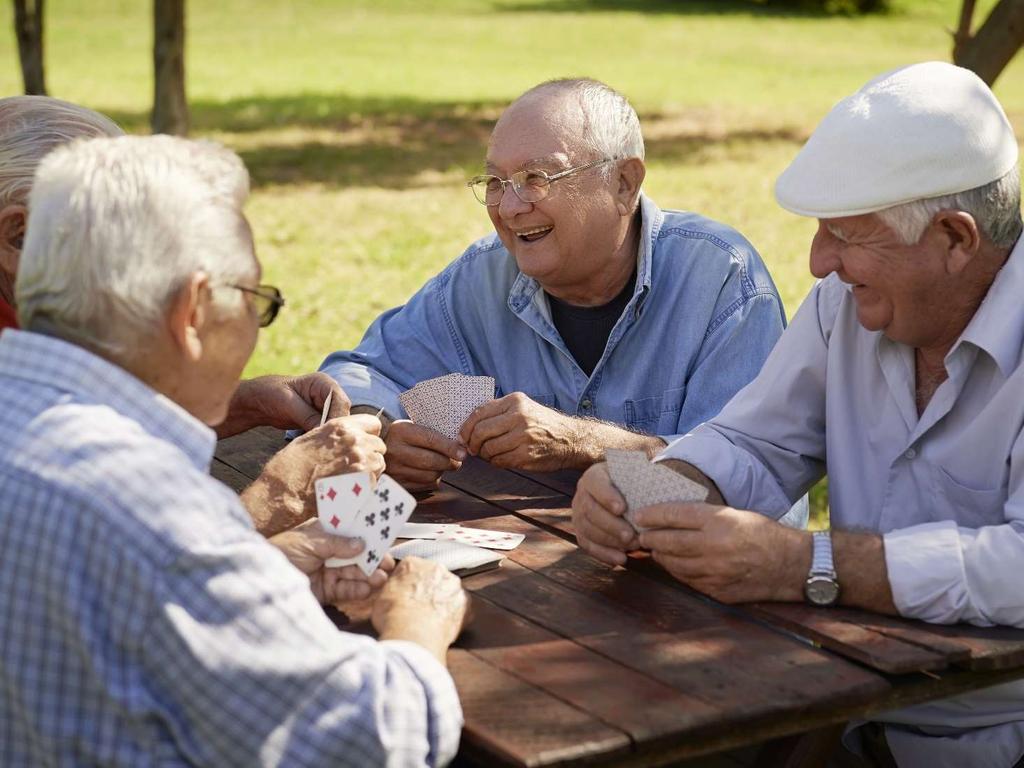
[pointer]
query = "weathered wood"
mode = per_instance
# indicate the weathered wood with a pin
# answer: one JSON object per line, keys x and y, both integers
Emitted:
{"x": 509, "y": 722}
{"x": 997, "y": 40}
{"x": 28, "y": 28}
{"x": 170, "y": 108}
{"x": 249, "y": 451}
{"x": 231, "y": 477}
{"x": 563, "y": 480}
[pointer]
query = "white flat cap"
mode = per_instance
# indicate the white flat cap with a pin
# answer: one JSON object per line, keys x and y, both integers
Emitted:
{"x": 921, "y": 131}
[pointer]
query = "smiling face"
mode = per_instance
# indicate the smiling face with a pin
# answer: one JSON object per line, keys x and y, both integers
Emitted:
{"x": 578, "y": 232}
{"x": 905, "y": 291}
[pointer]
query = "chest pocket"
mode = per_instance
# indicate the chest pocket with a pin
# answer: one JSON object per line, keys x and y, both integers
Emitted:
{"x": 656, "y": 415}
{"x": 970, "y": 507}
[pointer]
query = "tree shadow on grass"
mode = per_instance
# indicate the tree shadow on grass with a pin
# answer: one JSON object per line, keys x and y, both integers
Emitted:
{"x": 343, "y": 142}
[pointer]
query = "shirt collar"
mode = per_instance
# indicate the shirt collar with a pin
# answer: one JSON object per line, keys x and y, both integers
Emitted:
{"x": 998, "y": 324}
{"x": 524, "y": 288}
{"x": 53, "y": 362}
{"x": 8, "y": 317}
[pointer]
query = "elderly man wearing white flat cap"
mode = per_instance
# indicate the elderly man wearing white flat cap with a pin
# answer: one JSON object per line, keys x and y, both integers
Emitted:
{"x": 902, "y": 378}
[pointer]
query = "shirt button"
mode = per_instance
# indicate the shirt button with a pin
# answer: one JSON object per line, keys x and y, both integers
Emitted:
{"x": 911, "y": 453}
{"x": 586, "y": 404}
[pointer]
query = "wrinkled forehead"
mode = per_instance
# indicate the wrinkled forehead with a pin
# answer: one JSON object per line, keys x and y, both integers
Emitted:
{"x": 539, "y": 131}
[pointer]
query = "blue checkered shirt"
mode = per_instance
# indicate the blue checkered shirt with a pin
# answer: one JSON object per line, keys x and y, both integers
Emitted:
{"x": 144, "y": 622}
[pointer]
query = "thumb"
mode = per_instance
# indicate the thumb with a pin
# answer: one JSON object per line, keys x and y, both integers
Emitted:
{"x": 324, "y": 545}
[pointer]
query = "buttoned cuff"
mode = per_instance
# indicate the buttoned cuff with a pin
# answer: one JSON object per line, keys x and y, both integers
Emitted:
{"x": 926, "y": 572}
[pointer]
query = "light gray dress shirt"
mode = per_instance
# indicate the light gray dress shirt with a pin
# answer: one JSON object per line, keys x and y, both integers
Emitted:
{"x": 946, "y": 488}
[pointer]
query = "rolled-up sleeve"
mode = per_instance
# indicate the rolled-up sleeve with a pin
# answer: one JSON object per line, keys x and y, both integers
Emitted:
{"x": 767, "y": 446}
{"x": 944, "y": 573}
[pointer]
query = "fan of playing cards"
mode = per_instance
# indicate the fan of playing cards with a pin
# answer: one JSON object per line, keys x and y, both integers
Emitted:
{"x": 444, "y": 403}
{"x": 348, "y": 505}
{"x": 643, "y": 483}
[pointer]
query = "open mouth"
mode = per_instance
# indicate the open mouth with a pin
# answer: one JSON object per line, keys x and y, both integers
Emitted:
{"x": 533, "y": 235}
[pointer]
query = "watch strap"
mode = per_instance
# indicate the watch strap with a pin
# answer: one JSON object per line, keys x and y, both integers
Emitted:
{"x": 822, "y": 563}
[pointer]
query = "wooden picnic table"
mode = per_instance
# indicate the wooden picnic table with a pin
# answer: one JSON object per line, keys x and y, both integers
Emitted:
{"x": 569, "y": 661}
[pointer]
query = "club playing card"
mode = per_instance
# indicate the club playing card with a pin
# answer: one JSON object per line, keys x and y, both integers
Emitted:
{"x": 378, "y": 523}
{"x": 426, "y": 530}
{"x": 644, "y": 483}
{"x": 479, "y": 537}
{"x": 462, "y": 559}
{"x": 339, "y": 498}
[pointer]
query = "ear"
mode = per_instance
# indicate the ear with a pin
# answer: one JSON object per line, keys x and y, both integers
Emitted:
{"x": 13, "y": 219}
{"x": 960, "y": 238}
{"x": 187, "y": 315}
{"x": 630, "y": 176}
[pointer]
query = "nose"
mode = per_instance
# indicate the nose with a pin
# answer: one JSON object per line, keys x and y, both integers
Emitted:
{"x": 510, "y": 205}
{"x": 824, "y": 257}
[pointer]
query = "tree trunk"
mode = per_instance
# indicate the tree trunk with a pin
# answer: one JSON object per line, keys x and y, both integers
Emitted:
{"x": 28, "y": 27}
{"x": 990, "y": 49}
{"x": 170, "y": 109}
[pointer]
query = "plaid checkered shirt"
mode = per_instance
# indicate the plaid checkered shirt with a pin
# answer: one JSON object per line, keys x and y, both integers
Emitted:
{"x": 144, "y": 621}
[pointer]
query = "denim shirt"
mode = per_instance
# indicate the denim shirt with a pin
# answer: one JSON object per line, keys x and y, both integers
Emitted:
{"x": 702, "y": 319}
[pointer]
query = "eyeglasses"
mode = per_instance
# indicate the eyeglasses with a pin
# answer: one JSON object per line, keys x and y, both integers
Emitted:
{"x": 530, "y": 186}
{"x": 268, "y": 301}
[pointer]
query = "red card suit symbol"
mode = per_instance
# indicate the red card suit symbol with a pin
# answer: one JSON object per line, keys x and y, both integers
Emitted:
{"x": 335, "y": 521}
{"x": 357, "y": 489}
{"x": 331, "y": 494}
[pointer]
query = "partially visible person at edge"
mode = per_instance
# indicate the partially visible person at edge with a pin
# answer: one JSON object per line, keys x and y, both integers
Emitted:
{"x": 32, "y": 126}
{"x": 605, "y": 321}
{"x": 144, "y": 619}
{"x": 902, "y": 378}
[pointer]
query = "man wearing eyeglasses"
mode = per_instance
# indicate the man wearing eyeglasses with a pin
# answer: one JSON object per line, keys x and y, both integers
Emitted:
{"x": 30, "y": 128}
{"x": 605, "y": 321}
{"x": 144, "y": 619}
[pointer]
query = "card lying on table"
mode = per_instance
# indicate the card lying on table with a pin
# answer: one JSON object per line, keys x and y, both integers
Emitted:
{"x": 348, "y": 506}
{"x": 643, "y": 483}
{"x": 444, "y": 403}
{"x": 477, "y": 537}
{"x": 461, "y": 559}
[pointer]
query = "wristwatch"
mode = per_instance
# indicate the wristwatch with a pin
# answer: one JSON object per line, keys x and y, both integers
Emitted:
{"x": 822, "y": 587}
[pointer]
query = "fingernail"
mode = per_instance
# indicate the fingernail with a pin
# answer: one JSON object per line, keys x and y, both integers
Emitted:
{"x": 460, "y": 454}
{"x": 625, "y": 537}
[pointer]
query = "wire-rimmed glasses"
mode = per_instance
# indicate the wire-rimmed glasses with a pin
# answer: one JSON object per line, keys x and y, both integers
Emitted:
{"x": 530, "y": 186}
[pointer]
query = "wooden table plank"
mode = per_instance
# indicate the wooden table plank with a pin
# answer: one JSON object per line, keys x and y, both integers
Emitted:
{"x": 249, "y": 451}
{"x": 228, "y": 475}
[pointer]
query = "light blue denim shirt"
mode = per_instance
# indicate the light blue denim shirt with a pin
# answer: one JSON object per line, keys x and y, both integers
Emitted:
{"x": 702, "y": 319}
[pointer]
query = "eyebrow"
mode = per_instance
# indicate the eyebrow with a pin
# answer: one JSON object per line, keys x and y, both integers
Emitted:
{"x": 547, "y": 160}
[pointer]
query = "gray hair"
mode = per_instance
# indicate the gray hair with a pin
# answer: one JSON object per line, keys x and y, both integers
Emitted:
{"x": 117, "y": 227}
{"x": 32, "y": 126}
{"x": 995, "y": 207}
{"x": 612, "y": 128}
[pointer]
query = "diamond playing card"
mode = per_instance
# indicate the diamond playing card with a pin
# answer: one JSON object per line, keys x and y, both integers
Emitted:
{"x": 644, "y": 483}
{"x": 426, "y": 530}
{"x": 378, "y": 524}
{"x": 456, "y": 557}
{"x": 444, "y": 403}
{"x": 339, "y": 498}
{"x": 479, "y": 537}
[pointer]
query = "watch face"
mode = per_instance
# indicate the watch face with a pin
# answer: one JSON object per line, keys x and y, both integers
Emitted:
{"x": 821, "y": 590}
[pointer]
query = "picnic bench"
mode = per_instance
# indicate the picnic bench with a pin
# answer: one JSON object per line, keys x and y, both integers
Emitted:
{"x": 569, "y": 661}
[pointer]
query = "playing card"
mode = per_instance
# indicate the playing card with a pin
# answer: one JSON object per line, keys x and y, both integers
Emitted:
{"x": 445, "y": 402}
{"x": 644, "y": 483}
{"x": 378, "y": 523}
{"x": 327, "y": 407}
{"x": 479, "y": 537}
{"x": 426, "y": 530}
{"x": 339, "y": 498}
{"x": 456, "y": 557}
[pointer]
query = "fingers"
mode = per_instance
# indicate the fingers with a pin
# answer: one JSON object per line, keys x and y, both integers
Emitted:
{"x": 325, "y": 545}
{"x": 674, "y": 542}
{"x": 485, "y": 412}
{"x": 675, "y": 515}
{"x": 598, "y": 483}
{"x": 597, "y": 525}
{"x": 429, "y": 439}
{"x": 363, "y": 422}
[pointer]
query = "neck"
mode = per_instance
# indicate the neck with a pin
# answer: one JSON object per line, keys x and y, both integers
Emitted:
{"x": 606, "y": 284}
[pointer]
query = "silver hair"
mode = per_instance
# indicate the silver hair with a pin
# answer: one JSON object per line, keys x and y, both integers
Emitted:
{"x": 995, "y": 207}
{"x": 32, "y": 126}
{"x": 612, "y": 128}
{"x": 117, "y": 226}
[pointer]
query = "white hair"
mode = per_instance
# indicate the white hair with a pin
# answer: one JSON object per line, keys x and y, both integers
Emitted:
{"x": 612, "y": 128}
{"x": 117, "y": 227}
{"x": 32, "y": 126}
{"x": 995, "y": 207}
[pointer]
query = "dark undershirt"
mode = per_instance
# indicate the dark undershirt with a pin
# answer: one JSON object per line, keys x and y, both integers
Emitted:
{"x": 585, "y": 330}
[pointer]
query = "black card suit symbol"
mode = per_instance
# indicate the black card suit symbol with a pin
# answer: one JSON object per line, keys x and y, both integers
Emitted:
{"x": 371, "y": 519}
{"x": 385, "y": 514}
{"x": 383, "y": 495}
{"x": 399, "y": 507}
{"x": 385, "y": 531}
{"x": 371, "y": 557}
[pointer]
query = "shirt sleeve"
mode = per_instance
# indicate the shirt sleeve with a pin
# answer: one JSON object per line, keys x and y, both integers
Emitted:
{"x": 766, "y": 447}
{"x": 943, "y": 573}
{"x": 246, "y": 669}
{"x": 402, "y": 347}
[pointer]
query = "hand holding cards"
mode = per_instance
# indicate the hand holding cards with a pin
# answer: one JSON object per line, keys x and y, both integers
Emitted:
{"x": 643, "y": 483}
{"x": 348, "y": 505}
{"x": 444, "y": 403}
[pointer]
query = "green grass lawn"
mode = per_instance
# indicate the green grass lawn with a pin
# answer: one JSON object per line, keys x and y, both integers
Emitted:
{"x": 360, "y": 119}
